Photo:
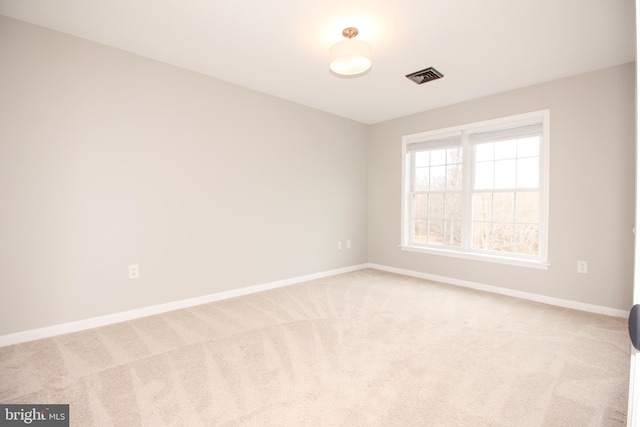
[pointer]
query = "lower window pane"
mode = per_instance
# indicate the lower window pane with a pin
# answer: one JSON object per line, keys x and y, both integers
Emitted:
{"x": 453, "y": 233}
{"x": 436, "y": 231}
{"x": 503, "y": 207}
{"x": 503, "y": 237}
{"x": 528, "y": 207}
{"x": 482, "y": 205}
{"x": 420, "y": 231}
{"x": 453, "y": 206}
{"x": 436, "y": 205}
{"x": 481, "y": 235}
{"x": 527, "y": 236}
{"x": 420, "y": 207}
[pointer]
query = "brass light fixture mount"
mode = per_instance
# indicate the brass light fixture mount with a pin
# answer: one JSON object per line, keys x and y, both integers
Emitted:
{"x": 350, "y": 32}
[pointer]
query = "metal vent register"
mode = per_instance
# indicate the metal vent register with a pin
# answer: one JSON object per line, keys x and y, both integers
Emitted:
{"x": 426, "y": 75}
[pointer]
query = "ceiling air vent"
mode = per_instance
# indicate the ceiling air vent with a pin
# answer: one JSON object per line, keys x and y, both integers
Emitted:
{"x": 425, "y": 75}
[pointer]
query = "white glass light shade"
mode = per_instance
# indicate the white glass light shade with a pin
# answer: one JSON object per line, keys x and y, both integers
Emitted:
{"x": 350, "y": 57}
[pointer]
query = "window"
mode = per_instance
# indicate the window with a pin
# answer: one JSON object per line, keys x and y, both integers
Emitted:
{"x": 479, "y": 190}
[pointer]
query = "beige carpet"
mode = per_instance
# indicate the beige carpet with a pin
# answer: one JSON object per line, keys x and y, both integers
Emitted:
{"x": 361, "y": 349}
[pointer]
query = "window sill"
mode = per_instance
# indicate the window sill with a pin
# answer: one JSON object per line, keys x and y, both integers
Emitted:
{"x": 542, "y": 265}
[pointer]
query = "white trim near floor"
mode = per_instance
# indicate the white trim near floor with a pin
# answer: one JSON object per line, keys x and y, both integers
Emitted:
{"x": 575, "y": 305}
{"x": 94, "y": 322}
{"x": 65, "y": 328}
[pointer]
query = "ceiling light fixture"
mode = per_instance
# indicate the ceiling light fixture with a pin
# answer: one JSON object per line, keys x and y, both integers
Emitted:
{"x": 350, "y": 57}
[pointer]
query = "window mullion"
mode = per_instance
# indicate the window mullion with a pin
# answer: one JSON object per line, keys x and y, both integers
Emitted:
{"x": 467, "y": 174}
{"x": 411, "y": 202}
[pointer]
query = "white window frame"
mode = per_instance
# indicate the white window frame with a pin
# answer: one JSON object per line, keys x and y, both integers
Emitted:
{"x": 466, "y": 252}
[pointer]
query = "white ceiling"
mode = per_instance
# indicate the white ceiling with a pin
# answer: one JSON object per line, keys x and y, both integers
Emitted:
{"x": 281, "y": 47}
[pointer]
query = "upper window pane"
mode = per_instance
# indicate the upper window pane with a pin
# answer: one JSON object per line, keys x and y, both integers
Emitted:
{"x": 505, "y": 174}
{"x": 454, "y": 155}
{"x": 438, "y": 157}
{"x": 422, "y": 158}
{"x": 484, "y": 152}
{"x": 421, "y": 180}
{"x": 437, "y": 178}
{"x": 529, "y": 172}
{"x": 528, "y": 147}
{"x": 454, "y": 177}
{"x": 505, "y": 150}
{"x": 483, "y": 177}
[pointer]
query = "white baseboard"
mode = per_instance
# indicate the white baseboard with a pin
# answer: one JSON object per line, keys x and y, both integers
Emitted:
{"x": 614, "y": 312}
{"x": 94, "y": 322}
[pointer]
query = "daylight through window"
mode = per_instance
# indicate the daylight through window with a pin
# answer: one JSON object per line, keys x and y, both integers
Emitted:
{"x": 479, "y": 190}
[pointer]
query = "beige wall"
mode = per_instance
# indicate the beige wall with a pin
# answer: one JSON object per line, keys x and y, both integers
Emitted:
{"x": 109, "y": 159}
{"x": 591, "y": 188}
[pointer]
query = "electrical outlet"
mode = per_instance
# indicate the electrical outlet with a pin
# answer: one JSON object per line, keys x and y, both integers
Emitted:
{"x": 134, "y": 271}
{"x": 340, "y": 245}
{"x": 583, "y": 267}
{"x": 348, "y": 244}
